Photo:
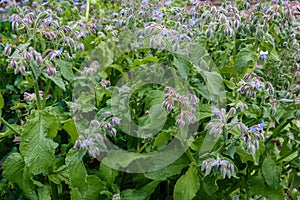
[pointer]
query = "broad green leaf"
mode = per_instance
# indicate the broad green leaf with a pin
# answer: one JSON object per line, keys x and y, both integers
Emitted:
{"x": 155, "y": 121}
{"x": 271, "y": 172}
{"x": 215, "y": 86}
{"x": 108, "y": 174}
{"x": 120, "y": 158}
{"x": 182, "y": 65}
{"x": 44, "y": 193}
{"x": 274, "y": 55}
{"x": 155, "y": 97}
{"x": 149, "y": 188}
{"x": 258, "y": 187}
{"x": 95, "y": 186}
{"x": 82, "y": 186}
{"x": 187, "y": 185}
{"x": 245, "y": 157}
{"x": 171, "y": 170}
{"x": 161, "y": 140}
{"x": 15, "y": 171}
{"x": 65, "y": 69}
{"x": 57, "y": 80}
{"x": 243, "y": 59}
{"x": 209, "y": 185}
{"x": 36, "y": 146}
{"x": 208, "y": 144}
{"x": 76, "y": 170}
{"x": 70, "y": 127}
{"x": 130, "y": 194}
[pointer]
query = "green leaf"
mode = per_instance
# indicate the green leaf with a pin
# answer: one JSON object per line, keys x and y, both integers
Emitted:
{"x": 149, "y": 188}
{"x": 271, "y": 172}
{"x": 243, "y": 60}
{"x": 57, "y": 80}
{"x": 215, "y": 86}
{"x": 36, "y": 146}
{"x": 44, "y": 193}
{"x": 76, "y": 170}
{"x": 208, "y": 144}
{"x": 95, "y": 186}
{"x": 182, "y": 65}
{"x": 130, "y": 194}
{"x": 65, "y": 69}
{"x": 187, "y": 185}
{"x": 210, "y": 186}
{"x": 70, "y": 127}
{"x": 120, "y": 158}
{"x": 258, "y": 187}
{"x": 171, "y": 170}
{"x": 15, "y": 171}
{"x": 108, "y": 174}
{"x": 154, "y": 122}
{"x": 245, "y": 157}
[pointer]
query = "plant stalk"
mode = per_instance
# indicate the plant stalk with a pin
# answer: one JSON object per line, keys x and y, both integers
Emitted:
{"x": 9, "y": 126}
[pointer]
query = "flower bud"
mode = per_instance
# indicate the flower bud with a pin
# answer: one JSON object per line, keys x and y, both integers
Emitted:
{"x": 38, "y": 58}
{"x": 15, "y": 26}
{"x": 208, "y": 33}
{"x": 222, "y": 19}
{"x": 113, "y": 132}
{"x": 7, "y": 50}
{"x": 22, "y": 69}
{"x": 51, "y": 71}
{"x": 80, "y": 46}
{"x": 27, "y": 56}
{"x": 213, "y": 10}
{"x": 14, "y": 63}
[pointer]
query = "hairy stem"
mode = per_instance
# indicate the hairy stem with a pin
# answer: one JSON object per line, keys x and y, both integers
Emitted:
{"x": 9, "y": 126}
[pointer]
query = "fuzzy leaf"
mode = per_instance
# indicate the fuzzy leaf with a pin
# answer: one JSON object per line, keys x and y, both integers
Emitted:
{"x": 187, "y": 185}
{"x": 271, "y": 172}
{"x": 15, "y": 171}
{"x": 130, "y": 194}
{"x": 36, "y": 146}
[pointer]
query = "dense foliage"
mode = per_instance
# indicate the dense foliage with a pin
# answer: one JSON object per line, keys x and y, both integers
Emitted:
{"x": 149, "y": 100}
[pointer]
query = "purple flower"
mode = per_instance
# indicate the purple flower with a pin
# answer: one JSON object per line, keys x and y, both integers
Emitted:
{"x": 157, "y": 15}
{"x": 115, "y": 121}
{"x": 192, "y": 22}
{"x": 258, "y": 127}
{"x": 263, "y": 55}
{"x": 168, "y": 2}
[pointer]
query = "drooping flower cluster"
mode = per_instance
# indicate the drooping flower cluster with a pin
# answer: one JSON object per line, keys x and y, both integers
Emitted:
{"x": 94, "y": 141}
{"x": 252, "y": 83}
{"x": 105, "y": 123}
{"x": 252, "y": 137}
{"x": 43, "y": 25}
{"x": 217, "y": 165}
{"x": 30, "y": 97}
{"x": 89, "y": 143}
{"x": 185, "y": 104}
{"x": 215, "y": 126}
